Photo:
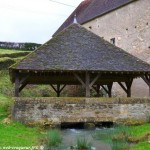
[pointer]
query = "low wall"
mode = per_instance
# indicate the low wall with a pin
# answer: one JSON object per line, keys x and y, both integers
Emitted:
{"x": 73, "y": 110}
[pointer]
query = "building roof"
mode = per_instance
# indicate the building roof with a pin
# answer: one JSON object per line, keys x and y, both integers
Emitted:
{"x": 78, "y": 49}
{"x": 90, "y": 9}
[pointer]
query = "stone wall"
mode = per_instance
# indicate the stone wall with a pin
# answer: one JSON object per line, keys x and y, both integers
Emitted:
{"x": 130, "y": 26}
{"x": 74, "y": 110}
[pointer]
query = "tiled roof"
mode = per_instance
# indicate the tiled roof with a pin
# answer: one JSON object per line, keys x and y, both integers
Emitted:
{"x": 78, "y": 49}
{"x": 90, "y": 9}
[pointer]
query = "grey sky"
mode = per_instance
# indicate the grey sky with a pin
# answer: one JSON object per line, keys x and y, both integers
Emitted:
{"x": 32, "y": 20}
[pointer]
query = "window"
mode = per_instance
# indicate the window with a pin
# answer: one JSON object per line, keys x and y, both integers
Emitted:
{"x": 112, "y": 41}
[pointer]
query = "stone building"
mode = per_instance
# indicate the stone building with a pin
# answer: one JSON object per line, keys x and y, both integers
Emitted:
{"x": 125, "y": 23}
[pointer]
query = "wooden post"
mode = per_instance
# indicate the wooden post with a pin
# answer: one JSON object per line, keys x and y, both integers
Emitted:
{"x": 128, "y": 85}
{"x": 58, "y": 90}
{"x": 127, "y": 89}
{"x": 109, "y": 86}
{"x": 98, "y": 90}
{"x": 87, "y": 84}
{"x": 17, "y": 84}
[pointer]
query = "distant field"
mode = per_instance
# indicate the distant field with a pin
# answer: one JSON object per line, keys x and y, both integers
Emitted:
{"x": 6, "y": 51}
{"x": 9, "y": 57}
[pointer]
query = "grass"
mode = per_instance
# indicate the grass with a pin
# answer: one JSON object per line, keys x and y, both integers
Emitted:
{"x": 83, "y": 143}
{"x": 141, "y": 130}
{"x": 12, "y": 133}
{"x": 142, "y": 146}
{"x": 122, "y": 136}
{"x": 9, "y": 57}
{"x": 53, "y": 138}
{"x": 16, "y": 134}
{"x": 6, "y": 51}
{"x": 138, "y": 132}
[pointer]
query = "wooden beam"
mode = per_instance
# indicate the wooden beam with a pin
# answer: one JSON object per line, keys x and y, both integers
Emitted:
{"x": 127, "y": 89}
{"x": 128, "y": 85}
{"x": 87, "y": 84}
{"x": 24, "y": 79}
{"x": 104, "y": 89}
{"x": 17, "y": 84}
{"x": 62, "y": 88}
{"x": 79, "y": 79}
{"x": 94, "y": 88}
{"x": 123, "y": 87}
{"x": 146, "y": 78}
{"x": 58, "y": 90}
{"x": 97, "y": 89}
{"x": 109, "y": 86}
{"x": 94, "y": 80}
{"x": 53, "y": 88}
{"x": 147, "y": 81}
{"x": 22, "y": 86}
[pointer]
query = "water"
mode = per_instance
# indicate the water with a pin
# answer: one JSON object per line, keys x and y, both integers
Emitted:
{"x": 70, "y": 137}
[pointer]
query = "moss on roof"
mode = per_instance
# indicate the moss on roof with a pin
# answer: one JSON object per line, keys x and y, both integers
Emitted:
{"x": 76, "y": 48}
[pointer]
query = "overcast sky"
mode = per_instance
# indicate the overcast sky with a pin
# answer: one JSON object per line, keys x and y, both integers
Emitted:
{"x": 32, "y": 20}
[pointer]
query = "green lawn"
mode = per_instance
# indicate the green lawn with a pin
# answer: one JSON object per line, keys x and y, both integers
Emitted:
{"x": 140, "y": 131}
{"x": 16, "y": 134}
{"x": 13, "y": 134}
{"x": 142, "y": 146}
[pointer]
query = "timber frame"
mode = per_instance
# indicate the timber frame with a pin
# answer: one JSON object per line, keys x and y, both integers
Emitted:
{"x": 77, "y": 56}
{"x": 88, "y": 80}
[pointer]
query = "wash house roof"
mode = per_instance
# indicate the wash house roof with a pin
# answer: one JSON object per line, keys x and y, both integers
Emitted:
{"x": 90, "y": 9}
{"x": 78, "y": 49}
